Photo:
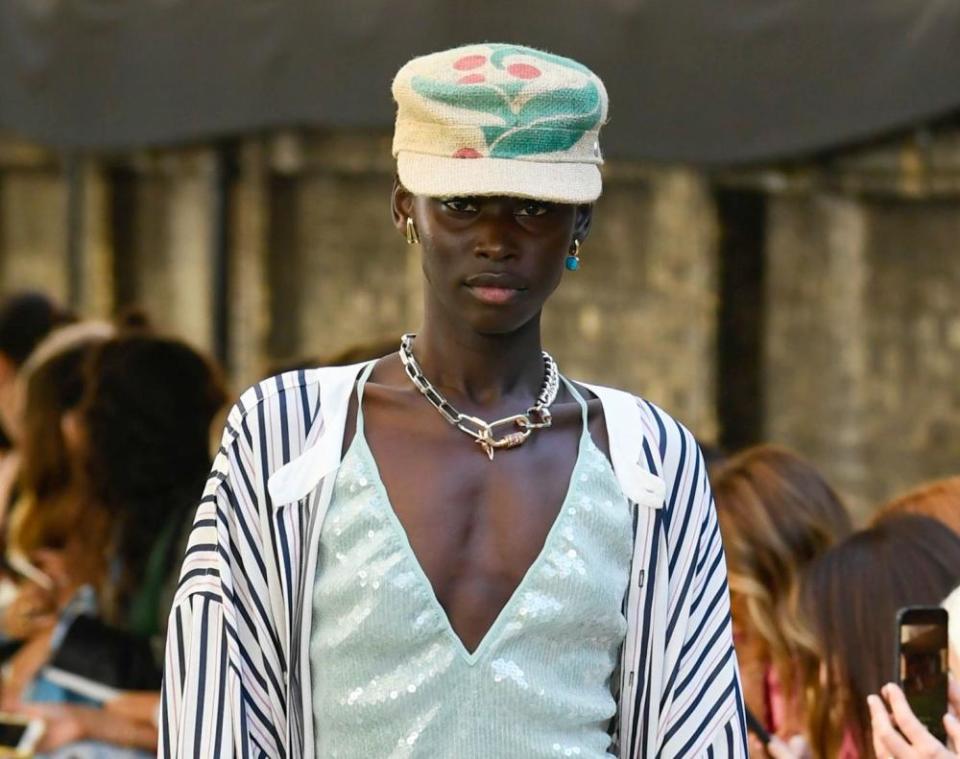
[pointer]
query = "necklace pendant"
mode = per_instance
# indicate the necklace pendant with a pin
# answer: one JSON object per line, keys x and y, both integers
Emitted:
{"x": 487, "y": 445}
{"x": 490, "y": 444}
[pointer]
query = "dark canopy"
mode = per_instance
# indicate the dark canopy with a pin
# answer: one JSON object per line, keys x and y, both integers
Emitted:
{"x": 689, "y": 80}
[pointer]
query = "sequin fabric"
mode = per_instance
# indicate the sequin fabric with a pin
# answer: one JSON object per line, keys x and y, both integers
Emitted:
{"x": 391, "y": 678}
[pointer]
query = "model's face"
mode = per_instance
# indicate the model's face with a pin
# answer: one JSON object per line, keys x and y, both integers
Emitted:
{"x": 494, "y": 261}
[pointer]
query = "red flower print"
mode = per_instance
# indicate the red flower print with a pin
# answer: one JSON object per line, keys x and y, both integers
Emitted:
{"x": 472, "y": 79}
{"x": 470, "y": 62}
{"x": 467, "y": 153}
{"x": 523, "y": 71}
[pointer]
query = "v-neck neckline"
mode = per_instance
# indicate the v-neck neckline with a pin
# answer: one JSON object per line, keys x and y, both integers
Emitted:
{"x": 507, "y": 611}
{"x": 493, "y": 632}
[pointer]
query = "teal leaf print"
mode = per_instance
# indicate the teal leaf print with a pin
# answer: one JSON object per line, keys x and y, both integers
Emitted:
{"x": 540, "y": 128}
{"x": 474, "y": 97}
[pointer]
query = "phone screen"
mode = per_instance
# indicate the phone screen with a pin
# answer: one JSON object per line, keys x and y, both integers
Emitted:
{"x": 11, "y": 733}
{"x": 923, "y": 671}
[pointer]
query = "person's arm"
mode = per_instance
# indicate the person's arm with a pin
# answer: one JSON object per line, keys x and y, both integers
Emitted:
{"x": 900, "y": 735}
{"x": 704, "y": 713}
{"x": 69, "y": 723}
{"x": 141, "y": 706}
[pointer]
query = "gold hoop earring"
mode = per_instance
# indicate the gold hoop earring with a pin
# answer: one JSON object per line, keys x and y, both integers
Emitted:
{"x": 412, "y": 237}
{"x": 573, "y": 258}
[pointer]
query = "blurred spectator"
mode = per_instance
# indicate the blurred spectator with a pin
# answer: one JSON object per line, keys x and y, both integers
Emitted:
{"x": 939, "y": 499}
{"x": 25, "y": 319}
{"x": 777, "y": 514}
{"x": 145, "y": 422}
{"x": 850, "y": 599}
{"x": 52, "y": 504}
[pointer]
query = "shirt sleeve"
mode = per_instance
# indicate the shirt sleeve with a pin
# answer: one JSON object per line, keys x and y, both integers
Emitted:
{"x": 223, "y": 684}
{"x": 195, "y": 718}
{"x": 703, "y": 711}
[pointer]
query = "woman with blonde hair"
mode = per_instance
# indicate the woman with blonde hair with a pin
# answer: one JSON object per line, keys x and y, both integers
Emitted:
{"x": 777, "y": 514}
{"x": 52, "y": 500}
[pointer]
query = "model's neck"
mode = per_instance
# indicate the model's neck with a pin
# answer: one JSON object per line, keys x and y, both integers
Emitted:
{"x": 481, "y": 368}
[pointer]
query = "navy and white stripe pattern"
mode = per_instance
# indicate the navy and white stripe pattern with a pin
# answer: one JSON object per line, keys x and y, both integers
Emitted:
{"x": 236, "y": 680}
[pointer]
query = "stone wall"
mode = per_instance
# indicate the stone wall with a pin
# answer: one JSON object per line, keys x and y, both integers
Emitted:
{"x": 855, "y": 278}
{"x": 861, "y": 350}
{"x": 316, "y": 265}
{"x": 863, "y": 347}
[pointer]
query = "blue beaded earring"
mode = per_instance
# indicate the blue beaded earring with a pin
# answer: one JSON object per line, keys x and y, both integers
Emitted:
{"x": 573, "y": 258}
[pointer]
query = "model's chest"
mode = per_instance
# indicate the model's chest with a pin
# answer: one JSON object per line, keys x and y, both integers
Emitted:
{"x": 465, "y": 515}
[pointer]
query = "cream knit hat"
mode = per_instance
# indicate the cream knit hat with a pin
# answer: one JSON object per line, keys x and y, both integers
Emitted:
{"x": 493, "y": 119}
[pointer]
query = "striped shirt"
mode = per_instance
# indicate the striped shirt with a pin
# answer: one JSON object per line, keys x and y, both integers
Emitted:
{"x": 237, "y": 674}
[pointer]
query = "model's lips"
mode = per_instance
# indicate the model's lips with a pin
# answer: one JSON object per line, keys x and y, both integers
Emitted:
{"x": 494, "y": 295}
{"x": 495, "y": 288}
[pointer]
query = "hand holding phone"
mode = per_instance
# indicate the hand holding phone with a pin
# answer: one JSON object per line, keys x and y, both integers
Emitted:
{"x": 898, "y": 733}
{"x": 922, "y": 664}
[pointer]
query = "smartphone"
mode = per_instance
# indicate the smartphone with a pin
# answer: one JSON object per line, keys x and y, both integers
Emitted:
{"x": 921, "y": 664}
{"x": 19, "y": 735}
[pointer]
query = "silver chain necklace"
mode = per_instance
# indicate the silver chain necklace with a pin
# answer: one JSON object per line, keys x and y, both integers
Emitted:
{"x": 537, "y": 416}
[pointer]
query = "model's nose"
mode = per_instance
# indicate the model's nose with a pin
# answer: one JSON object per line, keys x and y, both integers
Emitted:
{"x": 494, "y": 249}
{"x": 493, "y": 241}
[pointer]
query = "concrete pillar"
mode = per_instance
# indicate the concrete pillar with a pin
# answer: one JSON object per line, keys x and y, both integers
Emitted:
{"x": 97, "y": 290}
{"x": 174, "y": 241}
{"x": 248, "y": 304}
{"x": 815, "y": 361}
{"x": 32, "y": 220}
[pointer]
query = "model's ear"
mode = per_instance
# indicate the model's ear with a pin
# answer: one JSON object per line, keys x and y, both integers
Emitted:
{"x": 582, "y": 221}
{"x": 401, "y": 205}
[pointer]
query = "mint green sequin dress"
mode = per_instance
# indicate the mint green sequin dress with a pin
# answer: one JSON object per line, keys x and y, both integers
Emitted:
{"x": 391, "y": 678}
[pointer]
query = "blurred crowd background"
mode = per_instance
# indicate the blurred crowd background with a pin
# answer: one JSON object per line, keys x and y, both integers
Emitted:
{"x": 774, "y": 260}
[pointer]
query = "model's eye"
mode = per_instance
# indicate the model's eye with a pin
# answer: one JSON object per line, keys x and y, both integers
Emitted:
{"x": 533, "y": 208}
{"x": 460, "y": 205}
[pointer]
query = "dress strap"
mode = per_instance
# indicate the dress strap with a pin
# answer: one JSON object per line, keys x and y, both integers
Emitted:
{"x": 584, "y": 410}
{"x": 361, "y": 384}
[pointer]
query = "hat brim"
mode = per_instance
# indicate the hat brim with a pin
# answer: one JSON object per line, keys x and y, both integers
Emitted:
{"x": 443, "y": 177}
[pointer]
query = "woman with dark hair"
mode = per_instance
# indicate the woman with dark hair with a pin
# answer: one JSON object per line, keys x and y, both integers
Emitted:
{"x": 454, "y": 550}
{"x": 146, "y": 421}
{"x": 777, "y": 514}
{"x": 850, "y": 599}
